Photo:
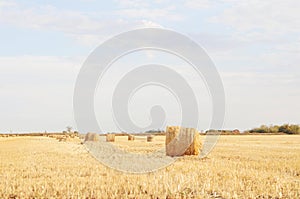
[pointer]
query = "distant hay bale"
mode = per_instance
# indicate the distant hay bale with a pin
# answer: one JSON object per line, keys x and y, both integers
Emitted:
{"x": 182, "y": 141}
{"x": 236, "y": 131}
{"x": 59, "y": 137}
{"x": 110, "y": 137}
{"x": 81, "y": 136}
{"x": 91, "y": 137}
{"x": 62, "y": 139}
{"x": 131, "y": 137}
{"x": 150, "y": 138}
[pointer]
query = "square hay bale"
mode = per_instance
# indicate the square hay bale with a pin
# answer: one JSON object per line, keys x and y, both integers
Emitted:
{"x": 150, "y": 138}
{"x": 182, "y": 141}
{"x": 131, "y": 137}
{"x": 110, "y": 137}
{"x": 93, "y": 137}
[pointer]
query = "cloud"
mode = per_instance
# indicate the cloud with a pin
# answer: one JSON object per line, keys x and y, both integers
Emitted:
{"x": 149, "y": 10}
{"x": 167, "y": 13}
{"x": 4, "y": 3}
{"x": 111, "y": 29}
{"x": 133, "y": 3}
{"x": 196, "y": 4}
{"x": 86, "y": 28}
{"x": 261, "y": 19}
{"x": 47, "y": 17}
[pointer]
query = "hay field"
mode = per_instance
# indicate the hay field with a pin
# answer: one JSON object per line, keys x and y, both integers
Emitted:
{"x": 239, "y": 167}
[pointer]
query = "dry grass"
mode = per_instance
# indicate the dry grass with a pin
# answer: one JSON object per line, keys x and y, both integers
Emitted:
{"x": 239, "y": 167}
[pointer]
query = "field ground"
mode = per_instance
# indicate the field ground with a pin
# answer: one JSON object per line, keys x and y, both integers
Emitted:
{"x": 239, "y": 167}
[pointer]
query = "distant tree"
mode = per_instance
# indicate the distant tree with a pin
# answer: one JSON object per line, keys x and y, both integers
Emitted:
{"x": 69, "y": 129}
{"x": 264, "y": 128}
{"x": 289, "y": 129}
{"x": 295, "y": 129}
{"x": 274, "y": 129}
{"x": 285, "y": 128}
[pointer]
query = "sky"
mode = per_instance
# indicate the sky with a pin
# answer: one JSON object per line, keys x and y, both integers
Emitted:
{"x": 255, "y": 46}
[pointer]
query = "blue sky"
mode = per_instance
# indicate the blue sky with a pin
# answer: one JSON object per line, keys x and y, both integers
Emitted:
{"x": 254, "y": 44}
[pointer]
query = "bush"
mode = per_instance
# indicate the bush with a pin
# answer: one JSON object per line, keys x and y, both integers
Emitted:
{"x": 289, "y": 129}
{"x": 286, "y": 128}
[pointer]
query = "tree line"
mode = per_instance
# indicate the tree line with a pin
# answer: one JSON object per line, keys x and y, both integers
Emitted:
{"x": 285, "y": 128}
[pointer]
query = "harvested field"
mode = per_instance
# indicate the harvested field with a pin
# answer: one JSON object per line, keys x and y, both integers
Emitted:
{"x": 239, "y": 167}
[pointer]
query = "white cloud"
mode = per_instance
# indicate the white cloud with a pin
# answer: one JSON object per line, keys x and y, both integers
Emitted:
{"x": 257, "y": 19}
{"x": 48, "y": 17}
{"x": 111, "y": 29}
{"x": 196, "y": 4}
{"x": 4, "y": 3}
{"x": 132, "y": 3}
{"x": 86, "y": 28}
{"x": 149, "y": 10}
{"x": 167, "y": 13}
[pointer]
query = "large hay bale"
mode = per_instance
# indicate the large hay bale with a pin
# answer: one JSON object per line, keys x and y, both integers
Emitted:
{"x": 110, "y": 137}
{"x": 131, "y": 137}
{"x": 182, "y": 141}
{"x": 150, "y": 138}
{"x": 91, "y": 137}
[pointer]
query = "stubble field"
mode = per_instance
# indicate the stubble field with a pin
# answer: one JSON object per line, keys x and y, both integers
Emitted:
{"x": 239, "y": 167}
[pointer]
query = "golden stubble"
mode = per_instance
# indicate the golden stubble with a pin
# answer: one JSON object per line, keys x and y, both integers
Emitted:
{"x": 241, "y": 166}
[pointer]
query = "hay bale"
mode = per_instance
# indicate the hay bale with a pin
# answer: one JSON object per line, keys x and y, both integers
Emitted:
{"x": 182, "y": 141}
{"x": 93, "y": 137}
{"x": 236, "y": 131}
{"x": 62, "y": 139}
{"x": 150, "y": 138}
{"x": 131, "y": 137}
{"x": 110, "y": 137}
